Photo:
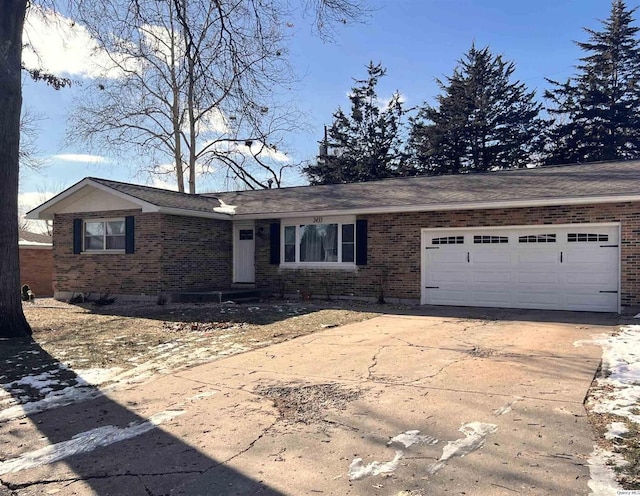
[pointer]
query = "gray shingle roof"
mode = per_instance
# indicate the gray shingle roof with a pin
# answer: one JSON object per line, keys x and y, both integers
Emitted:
{"x": 162, "y": 197}
{"x": 603, "y": 179}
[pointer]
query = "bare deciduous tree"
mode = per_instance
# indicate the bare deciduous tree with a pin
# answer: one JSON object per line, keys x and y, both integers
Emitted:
{"x": 196, "y": 84}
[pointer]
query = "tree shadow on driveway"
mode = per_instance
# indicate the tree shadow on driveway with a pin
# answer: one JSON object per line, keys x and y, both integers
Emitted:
{"x": 61, "y": 435}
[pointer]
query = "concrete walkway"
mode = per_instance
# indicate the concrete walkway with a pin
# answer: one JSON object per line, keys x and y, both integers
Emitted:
{"x": 397, "y": 405}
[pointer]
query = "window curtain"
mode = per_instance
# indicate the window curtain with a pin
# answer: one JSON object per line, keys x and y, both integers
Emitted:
{"x": 311, "y": 243}
{"x": 331, "y": 243}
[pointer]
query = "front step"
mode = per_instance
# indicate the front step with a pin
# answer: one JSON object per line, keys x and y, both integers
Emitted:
{"x": 217, "y": 296}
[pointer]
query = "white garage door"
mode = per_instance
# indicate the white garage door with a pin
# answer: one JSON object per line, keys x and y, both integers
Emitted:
{"x": 548, "y": 267}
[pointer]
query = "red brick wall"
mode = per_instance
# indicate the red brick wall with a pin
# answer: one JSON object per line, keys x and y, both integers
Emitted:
{"x": 196, "y": 253}
{"x": 36, "y": 270}
{"x": 172, "y": 253}
{"x": 394, "y": 250}
{"x": 186, "y": 253}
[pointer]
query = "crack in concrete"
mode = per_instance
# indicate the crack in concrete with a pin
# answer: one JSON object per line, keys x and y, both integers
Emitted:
{"x": 71, "y": 480}
{"x": 438, "y": 372}
{"x": 147, "y": 490}
{"x": 3, "y": 485}
{"x": 252, "y": 443}
{"x": 374, "y": 362}
{"x": 340, "y": 424}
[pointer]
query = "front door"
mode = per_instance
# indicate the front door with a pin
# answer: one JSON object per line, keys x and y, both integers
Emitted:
{"x": 244, "y": 251}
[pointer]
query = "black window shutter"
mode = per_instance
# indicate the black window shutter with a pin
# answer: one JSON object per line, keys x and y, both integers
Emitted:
{"x": 274, "y": 243}
{"x": 361, "y": 242}
{"x": 77, "y": 236}
{"x": 129, "y": 234}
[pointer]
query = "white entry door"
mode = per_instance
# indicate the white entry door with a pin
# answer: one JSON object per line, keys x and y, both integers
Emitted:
{"x": 244, "y": 253}
{"x": 570, "y": 267}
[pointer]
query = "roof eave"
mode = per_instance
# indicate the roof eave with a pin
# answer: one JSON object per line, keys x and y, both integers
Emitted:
{"x": 194, "y": 213}
{"x": 39, "y": 213}
{"x": 546, "y": 202}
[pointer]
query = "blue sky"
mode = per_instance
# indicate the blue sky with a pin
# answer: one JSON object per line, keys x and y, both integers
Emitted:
{"x": 416, "y": 40}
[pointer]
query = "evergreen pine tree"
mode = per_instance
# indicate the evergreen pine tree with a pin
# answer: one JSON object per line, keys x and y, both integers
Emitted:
{"x": 365, "y": 144}
{"x": 483, "y": 121}
{"x": 598, "y": 110}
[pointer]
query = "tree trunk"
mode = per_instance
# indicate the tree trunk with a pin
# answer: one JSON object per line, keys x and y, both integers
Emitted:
{"x": 12, "y": 321}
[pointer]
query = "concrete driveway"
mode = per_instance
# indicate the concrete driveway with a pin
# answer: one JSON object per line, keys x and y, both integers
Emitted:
{"x": 398, "y": 405}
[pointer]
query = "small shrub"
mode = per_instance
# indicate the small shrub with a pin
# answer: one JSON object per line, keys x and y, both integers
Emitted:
{"x": 162, "y": 299}
{"x": 104, "y": 299}
{"x": 76, "y": 298}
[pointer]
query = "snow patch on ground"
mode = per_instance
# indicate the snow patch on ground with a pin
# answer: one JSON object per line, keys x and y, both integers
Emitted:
{"x": 358, "y": 470}
{"x": 410, "y": 438}
{"x": 475, "y": 436}
{"x": 602, "y": 477}
{"x": 618, "y": 393}
{"x": 620, "y": 374}
{"x": 85, "y": 442}
{"x": 54, "y": 399}
{"x": 503, "y": 410}
{"x": 97, "y": 376}
{"x": 616, "y": 430}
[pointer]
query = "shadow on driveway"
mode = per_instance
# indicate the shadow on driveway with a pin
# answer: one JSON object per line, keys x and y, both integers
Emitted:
{"x": 94, "y": 446}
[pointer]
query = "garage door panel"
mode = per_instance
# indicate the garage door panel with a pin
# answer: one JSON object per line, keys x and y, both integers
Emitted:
{"x": 448, "y": 297}
{"x": 537, "y": 277}
{"x": 492, "y": 268}
{"x": 601, "y": 279}
{"x": 537, "y": 257}
{"x": 447, "y": 277}
{"x": 490, "y": 297}
{"x": 445, "y": 256}
{"x": 490, "y": 277}
{"x": 487, "y": 257}
{"x": 535, "y": 298}
{"x": 596, "y": 302}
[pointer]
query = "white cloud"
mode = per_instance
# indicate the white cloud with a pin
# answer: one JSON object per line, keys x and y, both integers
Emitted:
{"x": 58, "y": 45}
{"x": 80, "y": 157}
{"x": 158, "y": 182}
{"x": 263, "y": 152}
{"x": 159, "y": 39}
{"x": 383, "y": 103}
{"x": 215, "y": 122}
{"x": 270, "y": 153}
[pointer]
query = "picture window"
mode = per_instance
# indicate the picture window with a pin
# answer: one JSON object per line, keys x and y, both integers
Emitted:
{"x": 104, "y": 235}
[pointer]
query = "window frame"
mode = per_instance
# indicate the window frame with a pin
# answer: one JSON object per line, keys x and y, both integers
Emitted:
{"x": 318, "y": 220}
{"x": 104, "y": 249}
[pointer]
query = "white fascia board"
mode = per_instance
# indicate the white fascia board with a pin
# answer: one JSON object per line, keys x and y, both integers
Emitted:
{"x": 40, "y": 213}
{"x": 547, "y": 202}
{"x": 194, "y": 213}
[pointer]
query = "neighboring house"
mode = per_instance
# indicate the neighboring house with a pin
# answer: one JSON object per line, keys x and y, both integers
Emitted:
{"x": 36, "y": 262}
{"x": 565, "y": 237}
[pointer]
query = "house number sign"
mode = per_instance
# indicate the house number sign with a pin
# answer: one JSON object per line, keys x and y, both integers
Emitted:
{"x": 317, "y": 220}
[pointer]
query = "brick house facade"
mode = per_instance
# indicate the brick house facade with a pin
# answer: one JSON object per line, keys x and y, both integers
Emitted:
{"x": 173, "y": 253}
{"x": 190, "y": 242}
{"x": 394, "y": 264}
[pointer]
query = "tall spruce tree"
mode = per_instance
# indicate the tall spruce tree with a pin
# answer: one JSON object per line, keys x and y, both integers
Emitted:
{"x": 483, "y": 121}
{"x": 597, "y": 110}
{"x": 365, "y": 144}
